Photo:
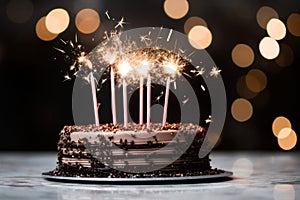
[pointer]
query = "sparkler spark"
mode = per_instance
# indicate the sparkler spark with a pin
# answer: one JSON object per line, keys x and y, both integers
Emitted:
{"x": 215, "y": 71}
{"x": 120, "y": 23}
{"x": 185, "y": 100}
{"x": 169, "y": 36}
{"x": 107, "y": 15}
{"x": 202, "y": 87}
{"x": 159, "y": 96}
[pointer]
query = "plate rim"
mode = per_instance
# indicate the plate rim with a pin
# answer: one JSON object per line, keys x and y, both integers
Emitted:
{"x": 223, "y": 175}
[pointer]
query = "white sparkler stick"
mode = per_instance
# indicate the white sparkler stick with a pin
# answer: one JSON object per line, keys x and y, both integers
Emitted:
{"x": 113, "y": 96}
{"x": 125, "y": 105}
{"x": 141, "y": 99}
{"x": 94, "y": 95}
{"x": 148, "y": 101}
{"x": 166, "y": 102}
{"x": 124, "y": 68}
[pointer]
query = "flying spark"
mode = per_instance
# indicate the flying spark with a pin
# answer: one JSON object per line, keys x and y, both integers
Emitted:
{"x": 202, "y": 87}
{"x": 159, "y": 97}
{"x": 214, "y": 72}
{"x": 107, "y": 15}
{"x": 120, "y": 23}
{"x": 169, "y": 36}
{"x": 185, "y": 100}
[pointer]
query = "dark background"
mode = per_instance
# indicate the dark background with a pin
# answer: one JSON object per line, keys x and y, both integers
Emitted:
{"x": 36, "y": 102}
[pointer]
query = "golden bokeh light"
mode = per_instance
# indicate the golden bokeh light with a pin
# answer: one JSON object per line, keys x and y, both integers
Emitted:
{"x": 193, "y": 21}
{"x": 293, "y": 22}
{"x": 200, "y": 37}
{"x": 264, "y": 14}
{"x": 279, "y": 123}
{"x": 283, "y": 133}
{"x": 87, "y": 21}
{"x": 284, "y": 192}
{"x": 19, "y": 11}
{"x": 57, "y": 20}
{"x": 42, "y": 32}
{"x": 242, "y": 168}
{"x": 256, "y": 80}
{"x": 176, "y": 9}
{"x": 269, "y": 48}
{"x": 276, "y": 29}
{"x": 243, "y": 90}
{"x": 242, "y": 55}
{"x": 286, "y": 56}
{"x": 241, "y": 110}
{"x": 287, "y": 139}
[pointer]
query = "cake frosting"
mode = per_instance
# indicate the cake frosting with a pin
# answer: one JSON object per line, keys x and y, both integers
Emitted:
{"x": 133, "y": 152}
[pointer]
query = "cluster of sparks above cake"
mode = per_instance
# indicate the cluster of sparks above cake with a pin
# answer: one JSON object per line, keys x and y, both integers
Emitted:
{"x": 126, "y": 64}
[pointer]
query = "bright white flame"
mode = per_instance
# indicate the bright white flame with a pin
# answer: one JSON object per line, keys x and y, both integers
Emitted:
{"x": 81, "y": 59}
{"x": 143, "y": 70}
{"x": 171, "y": 68}
{"x": 124, "y": 68}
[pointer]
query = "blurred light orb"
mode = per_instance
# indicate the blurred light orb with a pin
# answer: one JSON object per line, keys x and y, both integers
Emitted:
{"x": 286, "y": 56}
{"x": 242, "y": 168}
{"x": 276, "y": 29}
{"x": 293, "y": 22}
{"x": 280, "y": 123}
{"x": 242, "y": 55}
{"x": 241, "y": 110}
{"x": 87, "y": 21}
{"x": 283, "y": 133}
{"x": 269, "y": 48}
{"x": 287, "y": 139}
{"x": 264, "y": 14}
{"x": 176, "y": 9}
{"x": 193, "y": 21}
{"x": 284, "y": 192}
{"x": 42, "y": 32}
{"x": 19, "y": 11}
{"x": 243, "y": 90}
{"x": 200, "y": 37}
{"x": 256, "y": 80}
{"x": 57, "y": 20}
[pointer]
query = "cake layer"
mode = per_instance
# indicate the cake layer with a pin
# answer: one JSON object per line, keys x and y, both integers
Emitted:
{"x": 108, "y": 151}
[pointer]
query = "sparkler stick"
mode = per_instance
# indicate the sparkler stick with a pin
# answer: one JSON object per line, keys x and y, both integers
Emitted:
{"x": 171, "y": 69}
{"x": 125, "y": 105}
{"x": 141, "y": 99}
{"x": 123, "y": 69}
{"x": 113, "y": 96}
{"x": 93, "y": 87}
{"x": 148, "y": 101}
{"x": 166, "y": 101}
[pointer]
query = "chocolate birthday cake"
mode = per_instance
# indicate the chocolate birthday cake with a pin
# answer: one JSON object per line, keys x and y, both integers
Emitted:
{"x": 116, "y": 152}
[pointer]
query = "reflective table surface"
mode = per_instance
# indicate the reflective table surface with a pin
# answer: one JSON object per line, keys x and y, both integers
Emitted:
{"x": 256, "y": 175}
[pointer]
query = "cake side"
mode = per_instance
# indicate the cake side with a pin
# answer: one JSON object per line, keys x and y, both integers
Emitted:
{"x": 91, "y": 151}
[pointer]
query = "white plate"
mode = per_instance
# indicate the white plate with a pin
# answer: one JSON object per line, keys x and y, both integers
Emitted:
{"x": 155, "y": 180}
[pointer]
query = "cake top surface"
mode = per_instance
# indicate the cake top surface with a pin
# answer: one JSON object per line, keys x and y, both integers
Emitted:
{"x": 134, "y": 127}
